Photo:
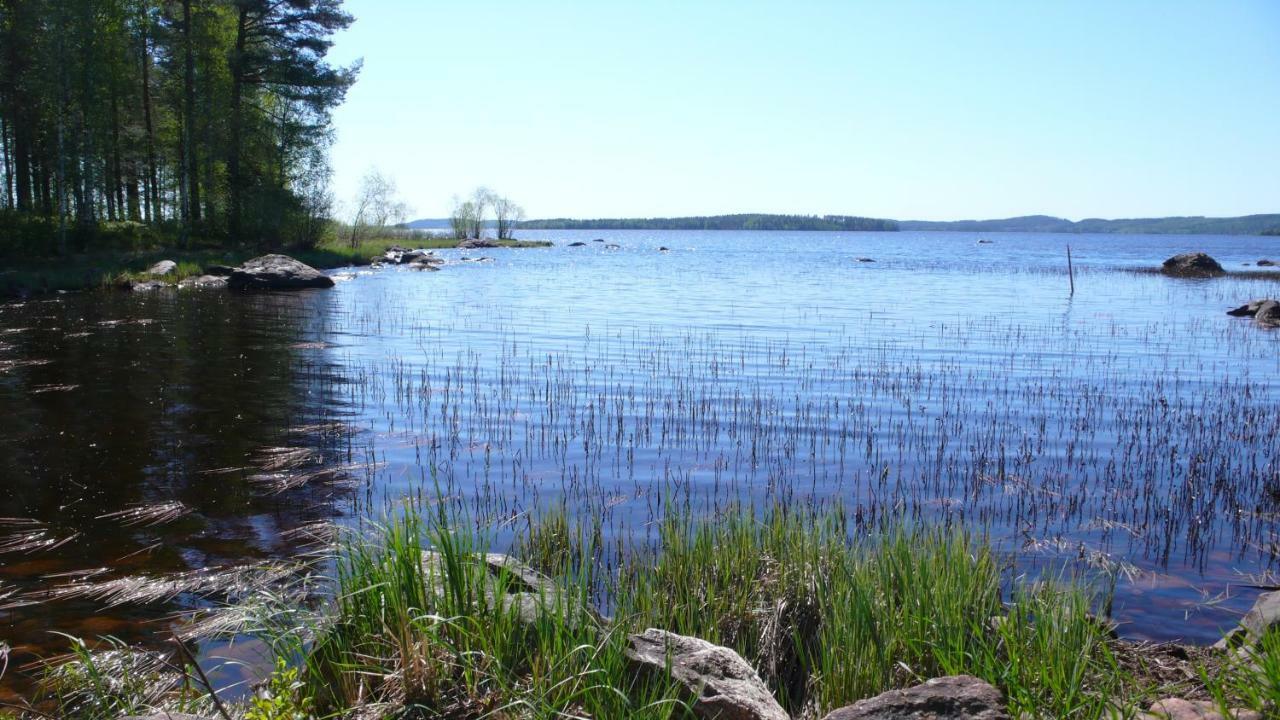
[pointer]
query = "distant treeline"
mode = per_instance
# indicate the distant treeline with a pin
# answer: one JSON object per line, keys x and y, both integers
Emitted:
{"x": 721, "y": 222}
{"x": 1247, "y": 225}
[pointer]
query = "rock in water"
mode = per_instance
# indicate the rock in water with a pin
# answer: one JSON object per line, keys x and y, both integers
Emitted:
{"x": 577, "y": 244}
{"x": 277, "y": 272}
{"x": 219, "y": 270}
{"x": 1268, "y": 314}
{"x": 1192, "y": 265}
{"x": 475, "y": 244}
{"x": 203, "y": 282}
{"x": 719, "y": 684}
{"x": 959, "y": 697}
{"x": 1249, "y": 309}
{"x": 164, "y": 267}
{"x": 1266, "y": 263}
{"x": 1262, "y": 618}
{"x": 1177, "y": 709}
{"x": 145, "y": 286}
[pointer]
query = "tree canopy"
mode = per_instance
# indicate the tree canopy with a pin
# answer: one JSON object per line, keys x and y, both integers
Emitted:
{"x": 206, "y": 118}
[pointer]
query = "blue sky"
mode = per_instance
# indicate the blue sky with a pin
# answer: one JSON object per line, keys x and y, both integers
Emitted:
{"x": 921, "y": 110}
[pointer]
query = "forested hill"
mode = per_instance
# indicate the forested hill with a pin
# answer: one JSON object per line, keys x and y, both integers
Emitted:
{"x": 720, "y": 222}
{"x": 1246, "y": 225}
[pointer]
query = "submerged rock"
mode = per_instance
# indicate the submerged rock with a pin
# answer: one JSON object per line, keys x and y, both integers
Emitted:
{"x": 203, "y": 282}
{"x": 146, "y": 286}
{"x": 1178, "y": 709}
{"x": 958, "y": 697}
{"x": 164, "y": 267}
{"x": 865, "y": 260}
{"x": 1195, "y": 264}
{"x": 277, "y": 272}
{"x": 598, "y": 240}
{"x": 719, "y": 684}
{"x": 612, "y": 247}
{"x": 577, "y": 244}
{"x": 1262, "y": 618}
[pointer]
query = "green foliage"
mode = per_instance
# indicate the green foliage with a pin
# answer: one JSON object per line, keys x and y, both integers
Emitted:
{"x": 131, "y": 123}
{"x": 282, "y": 699}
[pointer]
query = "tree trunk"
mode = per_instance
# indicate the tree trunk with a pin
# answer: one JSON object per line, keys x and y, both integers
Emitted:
{"x": 153, "y": 178}
{"x": 189, "y": 119}
{"x": 233, "y": 151}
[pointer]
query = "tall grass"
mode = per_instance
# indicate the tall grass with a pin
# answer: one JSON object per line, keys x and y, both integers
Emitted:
{"x": 420, "y": 622}
{"x": 825, "y": 618}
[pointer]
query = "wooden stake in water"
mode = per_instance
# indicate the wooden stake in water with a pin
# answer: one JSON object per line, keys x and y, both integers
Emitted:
{"x": 1071, "y": 272}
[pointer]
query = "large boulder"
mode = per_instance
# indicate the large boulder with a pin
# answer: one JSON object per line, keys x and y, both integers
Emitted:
{"x": 219, "y": 270}
{"x": 1262, "y": 618}
{"x": 476, "y": 244}
{"x": 718, "y": 683}
{"x": 1268, "y": 314}
{"x": 1178, "y": 709}
{"x": 277, "y": 272}
{"x": 1192, "y": 265}
{"x": 164, "y": 267}
{"x": 958, "y": 697}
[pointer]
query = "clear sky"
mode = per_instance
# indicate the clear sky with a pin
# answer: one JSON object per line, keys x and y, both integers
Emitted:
{"x": 907, "y": 110}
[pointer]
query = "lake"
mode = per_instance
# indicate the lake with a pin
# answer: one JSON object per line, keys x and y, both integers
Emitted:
{"x": 1128, "y": 431}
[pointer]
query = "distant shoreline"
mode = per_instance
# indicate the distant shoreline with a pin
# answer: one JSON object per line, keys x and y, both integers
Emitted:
{"x": 1268, "y": 224}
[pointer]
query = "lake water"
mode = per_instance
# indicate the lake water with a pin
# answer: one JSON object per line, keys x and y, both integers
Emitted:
{"x": 1131, "y": 428}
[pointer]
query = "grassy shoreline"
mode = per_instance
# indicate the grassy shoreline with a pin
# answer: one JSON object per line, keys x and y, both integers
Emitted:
{"x": 89, "y": 271}
{"x": 414, "y": 624}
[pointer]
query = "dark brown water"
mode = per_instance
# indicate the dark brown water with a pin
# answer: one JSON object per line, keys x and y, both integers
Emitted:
{"x": 1129, "y": 430}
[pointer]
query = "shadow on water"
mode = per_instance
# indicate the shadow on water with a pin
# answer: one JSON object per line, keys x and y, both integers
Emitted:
{"x": 132, "y": 445}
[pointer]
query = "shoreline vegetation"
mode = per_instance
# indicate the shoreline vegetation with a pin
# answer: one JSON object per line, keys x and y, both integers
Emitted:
{"x": 418, "y": 620}
{"x": 1191, "y": 225}
{"x": 102, "y": 270}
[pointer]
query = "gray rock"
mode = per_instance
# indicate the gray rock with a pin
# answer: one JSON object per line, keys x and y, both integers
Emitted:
{"x": 612, "y": 247}
{"x": 718, "y": 683}
{"x": 516, "y": 586}
{"x": 1266, "y": 263}
{"x": 598, "y": 240}
{"x": 219, "y": 270}
{"x": 203, "y": 282}
{"x": 664, "y": 249}
{"x": 1192, "y": 265}
{"x": 146, "y": 286}
{"x": 577, "y": 244}
{"x": 1179, "y": 709}
{"x": 1262, "y": 618}
{"x": 164, "y": 267}
{"x": 277, "y": 272}
{"x": 865, "y": 260}
{"x": 1268, "y": 314}
{"x": 476, "y": 244}
{"x": 986, "y": 242}
{"x": 959, "y": 697}
{"x": 1249, "y": 309}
